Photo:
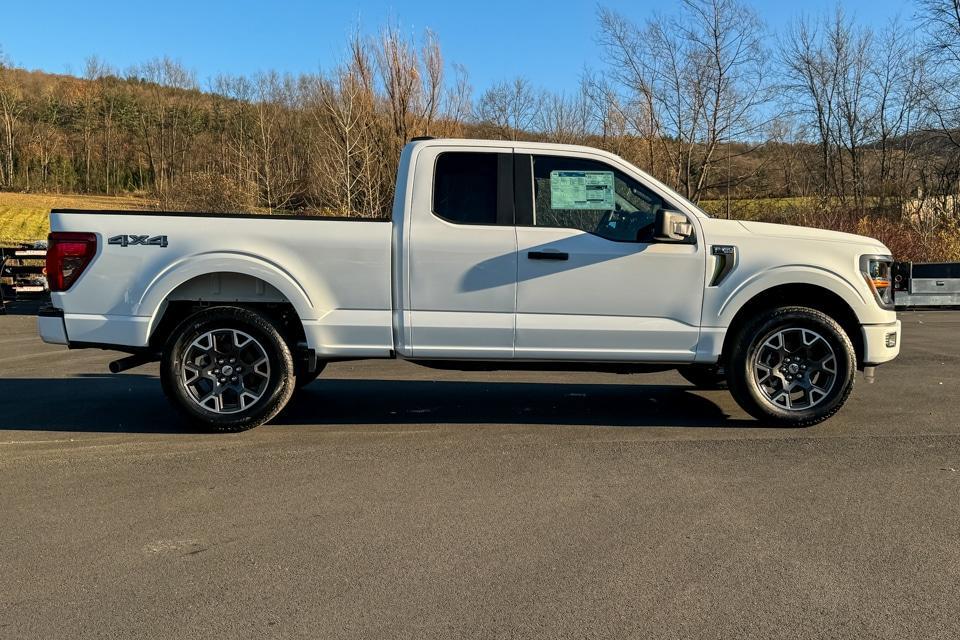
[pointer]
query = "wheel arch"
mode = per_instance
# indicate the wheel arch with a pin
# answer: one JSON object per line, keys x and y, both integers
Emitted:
{"x": 801, "y": 294}
{"x": 190, "y": 267}
{"x": 253, "y": 281}
{"x": 226, "y": 288}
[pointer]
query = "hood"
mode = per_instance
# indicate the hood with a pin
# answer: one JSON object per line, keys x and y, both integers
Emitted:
{"x": 809, "y": 233}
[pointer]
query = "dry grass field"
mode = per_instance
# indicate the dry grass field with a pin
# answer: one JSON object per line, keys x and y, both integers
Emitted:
{"x": 24, "y": 216}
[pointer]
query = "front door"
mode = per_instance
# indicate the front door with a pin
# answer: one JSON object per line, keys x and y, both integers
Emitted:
{"x": 593, "y": 284}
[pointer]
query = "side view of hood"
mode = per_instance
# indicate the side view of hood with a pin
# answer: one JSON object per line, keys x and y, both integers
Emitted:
{"x": 809, "y": 233}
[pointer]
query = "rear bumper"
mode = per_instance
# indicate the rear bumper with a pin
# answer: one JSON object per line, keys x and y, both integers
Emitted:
{"x": 881, "y": 342}
{"x": 50, "y": 325}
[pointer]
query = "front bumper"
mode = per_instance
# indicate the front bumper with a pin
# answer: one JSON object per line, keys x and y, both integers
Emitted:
{"x": 881, "y": 342}
{"x": 51, "y": 326}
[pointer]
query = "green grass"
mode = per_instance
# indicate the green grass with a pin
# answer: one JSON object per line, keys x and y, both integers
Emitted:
{"x": 23, "y": 224}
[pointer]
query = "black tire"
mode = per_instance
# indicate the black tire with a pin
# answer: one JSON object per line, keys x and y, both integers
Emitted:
{"x": 272, "y": 383}
{"x": 305, "y": 377}
{"x": 755, "y": 383}
{"x": 704, "y": 376}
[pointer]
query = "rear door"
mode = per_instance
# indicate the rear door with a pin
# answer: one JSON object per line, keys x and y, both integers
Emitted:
{"x": 462, "y": 254}
{"x": 592, "y": 282}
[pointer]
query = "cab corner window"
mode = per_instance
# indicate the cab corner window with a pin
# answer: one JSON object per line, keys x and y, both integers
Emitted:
{"x": 591, "y": 196}
{"x": 465, "y": 187}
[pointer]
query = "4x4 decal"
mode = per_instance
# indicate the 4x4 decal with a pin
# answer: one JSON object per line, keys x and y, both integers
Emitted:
{"x": 147, "y": 241}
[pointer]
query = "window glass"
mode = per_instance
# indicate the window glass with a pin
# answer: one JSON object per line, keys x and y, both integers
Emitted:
{"x": 465, "y": 187}
{"x": 594, "y": 197}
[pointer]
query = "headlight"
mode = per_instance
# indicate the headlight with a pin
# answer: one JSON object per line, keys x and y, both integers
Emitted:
{"x": 878, "y": 272}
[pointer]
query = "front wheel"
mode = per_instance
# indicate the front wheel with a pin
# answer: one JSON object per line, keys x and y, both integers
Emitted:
{"x": 793, "y": 366}
{"x": 227, "y": 369}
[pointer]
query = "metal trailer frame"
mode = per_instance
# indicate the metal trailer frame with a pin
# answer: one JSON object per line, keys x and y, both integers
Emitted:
{"x": 933, "y": 285}
{"x": 19, "y": 253}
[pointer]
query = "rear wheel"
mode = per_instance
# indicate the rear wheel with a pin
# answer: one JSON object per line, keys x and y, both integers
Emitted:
{"x": 793, "y": 366}
{"x": 227, "y": 369}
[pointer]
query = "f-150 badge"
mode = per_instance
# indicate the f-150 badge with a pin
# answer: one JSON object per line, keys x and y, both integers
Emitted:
{"x": 146, "y": 241}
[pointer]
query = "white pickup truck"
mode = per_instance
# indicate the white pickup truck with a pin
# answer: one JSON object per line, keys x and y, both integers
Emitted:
{"x": 498, "y": 255}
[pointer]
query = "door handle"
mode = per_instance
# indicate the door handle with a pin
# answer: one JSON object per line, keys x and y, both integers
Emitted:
{"x": 548, "y": 255}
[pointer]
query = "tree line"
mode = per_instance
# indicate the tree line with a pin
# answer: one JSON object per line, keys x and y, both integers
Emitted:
{"x": 705, "y": 98}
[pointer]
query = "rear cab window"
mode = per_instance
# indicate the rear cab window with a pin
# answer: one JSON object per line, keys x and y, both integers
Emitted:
{"x": 465, "y": 187}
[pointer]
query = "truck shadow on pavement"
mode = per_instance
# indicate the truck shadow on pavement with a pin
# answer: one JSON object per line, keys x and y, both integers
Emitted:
{"x": 133, "y": 403}
{"x": 342, "y": 401}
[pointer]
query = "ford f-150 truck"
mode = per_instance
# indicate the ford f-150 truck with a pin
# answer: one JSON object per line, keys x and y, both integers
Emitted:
{"x": 497, "y": 255}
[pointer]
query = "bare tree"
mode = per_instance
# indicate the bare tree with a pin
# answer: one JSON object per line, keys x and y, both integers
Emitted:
{"x": 564, "y": 118}
{"x": 853, "y": 50}
{"x": 510, "y": 107}
{"x": 458, "y": 104}
{"x": 11, "y": 106}
{"x": 697, "y": 77}
{"x": 899, "y": 78}
{"x": 164, "y": 117}
{"x": 810, "y": 87}
{"x": 349, "y": 140}
{"x": 412, "y": 80}
{"x": 940, "y": 20}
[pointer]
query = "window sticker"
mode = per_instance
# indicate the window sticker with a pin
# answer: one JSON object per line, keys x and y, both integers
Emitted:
{"x": 591, "y": 190}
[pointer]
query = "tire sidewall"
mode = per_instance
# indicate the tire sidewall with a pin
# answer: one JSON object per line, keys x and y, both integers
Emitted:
{"x": 280, "y": 384}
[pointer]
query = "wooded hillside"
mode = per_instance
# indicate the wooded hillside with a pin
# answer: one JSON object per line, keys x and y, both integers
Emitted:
{"x": 838, "y": 124}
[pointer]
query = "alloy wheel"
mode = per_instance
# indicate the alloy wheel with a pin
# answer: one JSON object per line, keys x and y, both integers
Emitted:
{"x": 795, "y": 368}
{"x": 225, "y": 371}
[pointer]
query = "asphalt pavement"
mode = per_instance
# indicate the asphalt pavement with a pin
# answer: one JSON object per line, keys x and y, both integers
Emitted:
{"x": 394, "y": 501}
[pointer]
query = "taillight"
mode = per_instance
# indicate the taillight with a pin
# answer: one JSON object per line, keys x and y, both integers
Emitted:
{"x": 68, "y": 254}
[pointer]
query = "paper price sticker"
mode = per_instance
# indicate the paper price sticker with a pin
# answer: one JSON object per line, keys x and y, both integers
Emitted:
{"x": 593, "y": 190}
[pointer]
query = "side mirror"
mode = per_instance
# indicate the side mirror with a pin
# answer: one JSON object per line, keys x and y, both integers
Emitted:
{"x": 672, "y": 226}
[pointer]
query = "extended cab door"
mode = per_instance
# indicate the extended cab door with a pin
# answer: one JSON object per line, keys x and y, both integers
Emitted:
{"x": 593, "y": 284}
{"x": 462, "y": 254}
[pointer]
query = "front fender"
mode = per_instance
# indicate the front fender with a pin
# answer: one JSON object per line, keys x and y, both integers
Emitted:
{"x": 728, "y": 302}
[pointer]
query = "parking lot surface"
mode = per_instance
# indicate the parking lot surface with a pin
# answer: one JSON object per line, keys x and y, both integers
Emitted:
{"x": 394, "y": 501}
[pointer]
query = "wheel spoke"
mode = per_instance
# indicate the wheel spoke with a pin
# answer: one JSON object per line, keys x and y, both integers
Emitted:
{"x": 767, "y": 372}
{"x": 262, "y": 367}
{"x": 191, "y": 372}
{"x": 784, "y": 396}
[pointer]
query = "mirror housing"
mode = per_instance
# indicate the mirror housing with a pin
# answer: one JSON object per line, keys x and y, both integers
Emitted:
{"x": 672, "y": 226}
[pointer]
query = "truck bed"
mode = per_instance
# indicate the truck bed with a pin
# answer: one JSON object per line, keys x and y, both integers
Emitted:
{"x": 334, "y": 271}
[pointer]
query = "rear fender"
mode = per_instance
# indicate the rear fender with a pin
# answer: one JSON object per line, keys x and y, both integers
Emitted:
{"x": 188, "y": 268}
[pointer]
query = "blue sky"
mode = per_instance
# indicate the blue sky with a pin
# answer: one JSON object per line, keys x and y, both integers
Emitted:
{"x": 547, "y": 42}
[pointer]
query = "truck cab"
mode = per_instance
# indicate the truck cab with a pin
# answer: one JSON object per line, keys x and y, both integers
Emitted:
{"x": 497, "y": 254}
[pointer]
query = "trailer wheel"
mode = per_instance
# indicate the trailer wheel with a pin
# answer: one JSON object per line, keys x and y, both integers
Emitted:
{"x": 792, "y": 366}
{"x": 227, "y": 369}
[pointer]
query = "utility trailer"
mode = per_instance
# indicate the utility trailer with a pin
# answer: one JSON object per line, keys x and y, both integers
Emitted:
{"x": 22, "y": 272}
{"x": 931, "y": 284}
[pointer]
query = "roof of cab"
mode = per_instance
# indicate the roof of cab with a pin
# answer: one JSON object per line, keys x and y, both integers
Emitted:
{"x": 478, "y": 142}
